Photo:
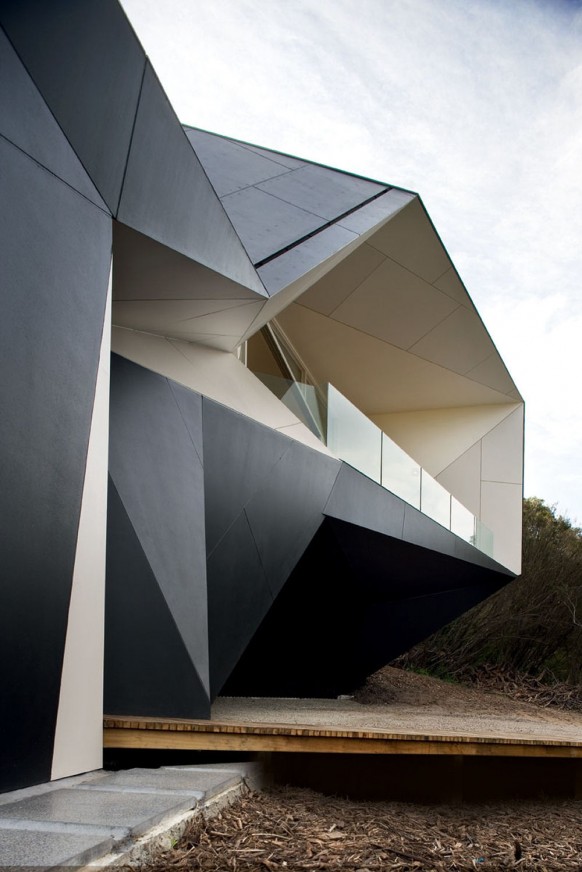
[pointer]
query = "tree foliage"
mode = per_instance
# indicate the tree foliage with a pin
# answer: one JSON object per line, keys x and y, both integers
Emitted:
{"x": 534, "y": 624}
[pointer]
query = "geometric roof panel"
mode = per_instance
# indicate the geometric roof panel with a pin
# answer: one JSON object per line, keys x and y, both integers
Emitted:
{"x": 274, "y": 201}
{"x": 324, "y": 192}
{"x": 229, "y": 165}
{"x": 267, "y": 224}
{"x": 166, "y": 194}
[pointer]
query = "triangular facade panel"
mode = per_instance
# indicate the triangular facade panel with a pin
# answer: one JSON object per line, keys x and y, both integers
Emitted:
{"x": 282, "y": 333}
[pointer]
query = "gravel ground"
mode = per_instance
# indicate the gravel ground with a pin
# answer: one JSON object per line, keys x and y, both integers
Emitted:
{"x": 411, "y": 704}
{"x": 291, "y": 829}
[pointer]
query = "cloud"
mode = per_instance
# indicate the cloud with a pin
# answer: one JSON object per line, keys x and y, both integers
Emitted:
{"x": 478, "y": 106}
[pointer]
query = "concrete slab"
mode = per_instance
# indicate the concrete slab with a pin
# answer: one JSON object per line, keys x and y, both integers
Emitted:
{"x": 197, "y": 782}
{"x": 135, "y": 811}
{"x": 111, "y": 818}
{"x": 252, "y": 773}
{"x": 44, "y": 850}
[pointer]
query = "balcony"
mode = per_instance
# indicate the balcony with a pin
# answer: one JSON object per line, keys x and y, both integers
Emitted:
{"x": 354, "y": 438}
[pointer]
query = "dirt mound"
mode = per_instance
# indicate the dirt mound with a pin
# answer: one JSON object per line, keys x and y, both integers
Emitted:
{"x": 403, "y": 687}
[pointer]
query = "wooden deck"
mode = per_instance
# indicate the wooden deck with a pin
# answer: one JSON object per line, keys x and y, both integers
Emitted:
{"x": 216, "y": 735}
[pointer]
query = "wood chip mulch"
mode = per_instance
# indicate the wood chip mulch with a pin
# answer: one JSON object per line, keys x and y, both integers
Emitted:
{"x": 290, "y": 829}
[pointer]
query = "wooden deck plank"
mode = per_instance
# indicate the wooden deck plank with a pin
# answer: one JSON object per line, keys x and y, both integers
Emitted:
{"x": 160, "y": 733}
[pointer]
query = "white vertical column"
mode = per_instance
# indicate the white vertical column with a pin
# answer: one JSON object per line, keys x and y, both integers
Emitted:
{"x": 79, "y": 732}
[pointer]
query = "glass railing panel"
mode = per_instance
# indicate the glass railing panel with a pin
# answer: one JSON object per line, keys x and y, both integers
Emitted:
{"x": 483, "y": 538}
{"x": 400, "y": 473}
{"x": 302, "y": 400}
{"x": 316, "y": 402}
{"x": 352, "y": 437}
{"x": 435, "y": 501}
{"x": 462, "y": 521}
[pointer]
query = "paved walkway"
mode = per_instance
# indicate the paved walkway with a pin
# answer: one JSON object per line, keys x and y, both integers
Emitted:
{"x": 102, "y": 817}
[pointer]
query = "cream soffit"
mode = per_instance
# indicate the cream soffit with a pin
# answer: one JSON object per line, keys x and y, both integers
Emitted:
{"x": 385, "y": 318}
{"x": 340, "y": 261}
{"x": 375, "y": 375}
{"x": 393, "y": 327}
{"x": 438, "y": 437}
{"x": 158, "y": 290}
{"x": 412, "y": 241}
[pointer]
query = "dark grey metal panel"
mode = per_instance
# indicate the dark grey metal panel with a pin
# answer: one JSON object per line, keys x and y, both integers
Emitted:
{"x": 148, "y": 670}
{"x": 26, "y": 121}
{"x": 322, "y": 191}
{"x": 228, "y": 165}
{"x": 167, "y": 195}
{"x": 238, "y": 599}
{"x": 190, "y": 406}
{"x": 55, "y": 250}
{"x": 239, "y": 455}
{"x": 144, "y": 269}
{"x": 292, "y": 264}
{"x": 359, "y": 500}
{"x": 285, "y": 160}
{"x": 266, "y": 224}
{"x": 157, "y": 470}
{"x": 286, "y": 512}
{"x": 305, "y": 644}
{"x": 355, "y": 600}
{"x": 387, "y": 629}
{"x": 422, "y": 530}
{"x": 87, "y": 63}
{"x": 390, "y": 569}
{"x": 468, "y": 552}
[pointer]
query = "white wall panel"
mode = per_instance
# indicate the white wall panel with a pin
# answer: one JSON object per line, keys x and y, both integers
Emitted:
{"x": 502, "y": 456}
{"x": 462, "y": 478}
{"x": 501, "y": 509}
{"x": 437, "y": 437}
{"x": 79, "y": 731}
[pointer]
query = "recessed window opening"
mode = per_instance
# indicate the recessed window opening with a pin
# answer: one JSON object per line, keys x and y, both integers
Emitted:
{"x": 272, "y": 358}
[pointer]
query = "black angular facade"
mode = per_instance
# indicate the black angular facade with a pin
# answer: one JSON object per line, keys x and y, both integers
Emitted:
{"x": 172, "y": 529}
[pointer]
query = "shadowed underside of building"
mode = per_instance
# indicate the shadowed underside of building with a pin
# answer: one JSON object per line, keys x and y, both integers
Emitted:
{"x": 255, "y": 436}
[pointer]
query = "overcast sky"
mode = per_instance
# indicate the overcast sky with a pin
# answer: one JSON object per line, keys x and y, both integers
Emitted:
{"x": 475, "y": 104}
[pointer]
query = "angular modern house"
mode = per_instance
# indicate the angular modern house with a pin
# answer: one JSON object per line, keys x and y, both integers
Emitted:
{"x": 255, "y": 437}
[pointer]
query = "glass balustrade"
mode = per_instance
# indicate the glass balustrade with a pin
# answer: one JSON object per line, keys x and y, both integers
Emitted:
{"x": 400, "y": 473}
{"x": 462, "y": 521}
{"x": 352, "y": 437}
{"x": 305, "y": 401}
{"x": 355, "y": 439}
{"x": 483, "y": 538}
{"x": 435, "y": 501}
